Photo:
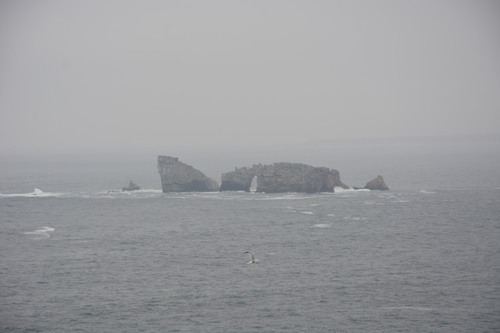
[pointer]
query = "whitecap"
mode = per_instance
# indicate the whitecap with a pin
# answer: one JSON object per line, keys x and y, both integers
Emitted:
{"x": 352, "y": 218}
{"x": 115, "y": 194}
{"x": 285, "y": 197}
{"x": 307, "y": 213}
{"x": 45, "y": 231}
{"x": 426, "y": 192}
{"x": 150, "y": 190}
{"x": 292, "y": 196}
{"x": 341, "y": 190}
{"x": 137, "y": 192}
{"x": 37, "y": 193}
{"x": 321, "y": 225}
{"x": 207, "y": 195}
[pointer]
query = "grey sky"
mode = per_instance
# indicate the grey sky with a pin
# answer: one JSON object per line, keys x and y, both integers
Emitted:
{"x": 99, "y": 75}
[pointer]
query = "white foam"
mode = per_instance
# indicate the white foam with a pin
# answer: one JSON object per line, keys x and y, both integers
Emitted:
{"x": 426, "y": 192}
{"x": 286, "y": 197}
{"x": 321, "y": 225}
{"x": 307, "y": 213}
{"x": 45, "y": 231}
{"x": 37, "y": 193}
{"x": 352, "y": 218}
{"x": 293, "y": 196}
{"x": 147, "y": 190}
{"x": 341, "y": 190}
{"x": 116, "y": 194}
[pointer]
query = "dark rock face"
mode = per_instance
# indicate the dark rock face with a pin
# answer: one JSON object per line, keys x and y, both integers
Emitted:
{"x": 282, "y": 177}
{"x": 180, "y": 177}
{"x": 377, "y": 184}
{"x": 238, "y": 180}
{"x": 131, "y": 187}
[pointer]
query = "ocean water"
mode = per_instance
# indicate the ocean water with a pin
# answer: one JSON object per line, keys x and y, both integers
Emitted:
{"x": 78, "y": 255}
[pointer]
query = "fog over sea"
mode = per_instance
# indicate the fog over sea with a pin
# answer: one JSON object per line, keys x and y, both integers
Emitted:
{"x": 79, "y": 255}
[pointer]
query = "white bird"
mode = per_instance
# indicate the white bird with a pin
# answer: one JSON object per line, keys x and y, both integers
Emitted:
{"x": 253, "y": 260}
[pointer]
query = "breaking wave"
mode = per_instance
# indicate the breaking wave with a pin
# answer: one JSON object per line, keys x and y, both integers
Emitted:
{"x": 353, "y": 218}
{"x": 321, "y": 225}
{"x": 234, "y": 195}
{"x": 109, "y": 194}
{"x": 291, "y": 196}
{"x": 45, "y": 231}
{"x": 37, "y": 193}
{"x": 350, "y": 190}
{"x": 117, "y": 194}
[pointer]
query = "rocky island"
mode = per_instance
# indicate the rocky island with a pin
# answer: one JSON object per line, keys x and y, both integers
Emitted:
{"x": 180, "y": 177}
{"x": 283, "y": 177}
{"x": 376, "y": 184}
{"x": 271, "y": 178}
{"x": 131, "y": 187}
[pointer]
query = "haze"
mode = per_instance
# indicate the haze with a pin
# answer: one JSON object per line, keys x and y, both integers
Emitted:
{"x": 132, "y": 75}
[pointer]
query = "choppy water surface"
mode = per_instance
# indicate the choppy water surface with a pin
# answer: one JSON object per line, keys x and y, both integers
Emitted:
{"x": 407, "y": 260}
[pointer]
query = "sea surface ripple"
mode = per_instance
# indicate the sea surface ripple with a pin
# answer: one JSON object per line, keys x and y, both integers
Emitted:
{"x": 354, "y": 261}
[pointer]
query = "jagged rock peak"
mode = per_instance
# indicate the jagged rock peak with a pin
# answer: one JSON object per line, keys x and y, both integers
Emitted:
{"x": 131, "y": 187}
{"x": 377, "y": 184}
{"x": 180, "y": 177}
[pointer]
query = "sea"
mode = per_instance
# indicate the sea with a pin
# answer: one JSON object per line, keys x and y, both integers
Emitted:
{"x": 79, "y": 255}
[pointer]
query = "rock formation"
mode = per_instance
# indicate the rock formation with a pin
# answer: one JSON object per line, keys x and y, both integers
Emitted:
{"x": 180, "y": 177}
{"x": 282, "y": 177}
{"x": 131, "y": 187}
{"x": 376, "y": 184}
{"x": 238, "y": 180}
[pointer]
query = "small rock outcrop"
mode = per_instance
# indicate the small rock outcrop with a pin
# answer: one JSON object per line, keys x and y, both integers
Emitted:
{"x": 282, "y": 177}
{"x": 376, "y": 184}
{"x": 131, "y": 187}
{"x": 180, "y": 177}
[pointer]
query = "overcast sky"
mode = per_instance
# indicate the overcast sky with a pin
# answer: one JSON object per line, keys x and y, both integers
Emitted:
{"x": 103, "y": 75}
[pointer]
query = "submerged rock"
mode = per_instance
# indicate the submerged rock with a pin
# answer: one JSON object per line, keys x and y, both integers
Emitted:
{"x": 131, "y": 187}
{"x": 377, "y": 184}
{"x": 180, "y": 177}
{"x": 282, "y": 177}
